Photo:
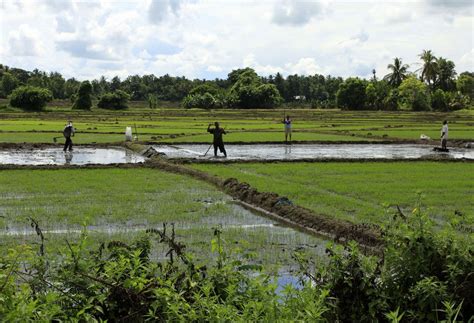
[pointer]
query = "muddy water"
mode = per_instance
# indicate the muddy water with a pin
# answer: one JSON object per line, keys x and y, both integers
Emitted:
{"x": 315, "y": 151}
{"x": 80, "y": 156}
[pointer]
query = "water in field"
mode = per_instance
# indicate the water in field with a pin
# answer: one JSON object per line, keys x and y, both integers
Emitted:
{"x": 314, "y": 151}
{"x": 259, "y": 239}
{"x": 79, "y": 156}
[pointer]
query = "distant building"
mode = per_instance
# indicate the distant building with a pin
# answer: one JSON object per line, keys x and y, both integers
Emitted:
{"x": 300, "y": 97}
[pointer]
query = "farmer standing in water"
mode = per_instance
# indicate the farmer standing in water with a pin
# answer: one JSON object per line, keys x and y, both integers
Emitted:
{"x": 444, "y": 135}
{"x": 218, "y": 142}
{"x": 68, "y": 132}
{"x": 287, "y": 123}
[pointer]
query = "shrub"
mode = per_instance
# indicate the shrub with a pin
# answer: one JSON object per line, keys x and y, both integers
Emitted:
{"x": 116, "y": 100}
{"x": 83, "y": 98}
{"x": 30, "y": 98}
{"x": 202, "y": 101}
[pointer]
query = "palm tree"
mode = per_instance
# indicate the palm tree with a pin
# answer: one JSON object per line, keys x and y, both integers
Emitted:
{"x": 446, "y": 74}
{"x": 398, "y": 74}
{"x": 429, "y": 69}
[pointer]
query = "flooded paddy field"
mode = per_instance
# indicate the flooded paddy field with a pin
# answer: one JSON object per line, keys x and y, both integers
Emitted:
{"x": 79, "y": 156}
{"x": 314, "y": 151}
{"x": 121, "y": 204}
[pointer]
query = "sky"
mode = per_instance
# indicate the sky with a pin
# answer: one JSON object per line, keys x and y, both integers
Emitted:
{"x": 208, "y": 39}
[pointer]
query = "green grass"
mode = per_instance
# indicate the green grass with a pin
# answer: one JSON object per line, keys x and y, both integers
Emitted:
{"x": 360, "y": 192}
{"x": 172, "y": 124}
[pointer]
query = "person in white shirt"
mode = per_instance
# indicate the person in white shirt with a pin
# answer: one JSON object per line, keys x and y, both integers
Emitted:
{"x": 444, "y": 135}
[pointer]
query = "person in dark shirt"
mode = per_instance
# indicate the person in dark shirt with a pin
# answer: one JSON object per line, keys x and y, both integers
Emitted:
{"x": 218, "y": 142}
{"x": 68, "y": 132}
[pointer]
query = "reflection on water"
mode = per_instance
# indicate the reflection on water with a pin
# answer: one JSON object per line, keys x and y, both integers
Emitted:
{"x": 68, "y": 156}
{"x": 318, "y": 151}
{"x": 80, "y": 156}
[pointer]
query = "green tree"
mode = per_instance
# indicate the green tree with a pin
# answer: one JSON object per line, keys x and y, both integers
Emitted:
{"x": 414, "y": 95}
{"x": 30, "y": 98}
{"x": 114, "y": 100}
{"x": 56, "y": 84}
{"x": 351, "y": 94}
{"x": 83, "y": 99}
{"x": 7, "y": 84}
{"x": 398, "y": 72}
{"x": 429, "y": 70}
{"x": 249, "y": 92}
{"x": 446, "y": 74}
{"x": 465, "y": 84}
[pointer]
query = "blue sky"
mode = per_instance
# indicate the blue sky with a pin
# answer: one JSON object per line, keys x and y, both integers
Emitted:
{"x": 207, "y": 39}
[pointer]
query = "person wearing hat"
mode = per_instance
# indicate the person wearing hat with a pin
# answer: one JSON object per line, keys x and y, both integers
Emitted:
{"x": 68, "y": 132}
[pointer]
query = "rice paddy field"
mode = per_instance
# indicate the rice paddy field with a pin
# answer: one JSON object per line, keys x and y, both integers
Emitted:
{"x": 363, "y": 191}
{"x": 121, "y": 203}
{"x": 180, "y": 125}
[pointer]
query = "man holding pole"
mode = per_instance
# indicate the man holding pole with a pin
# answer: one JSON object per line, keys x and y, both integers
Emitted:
{"x": 68, "y": 132}
{"x": 217, "y": 141}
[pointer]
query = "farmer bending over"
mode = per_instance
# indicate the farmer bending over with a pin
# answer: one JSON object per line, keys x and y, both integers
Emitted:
{"x": 218, "y": 142}
{"x": 68, "y": 132}
{"x": 444, "y": 135}
{"x": 287, "y": 123}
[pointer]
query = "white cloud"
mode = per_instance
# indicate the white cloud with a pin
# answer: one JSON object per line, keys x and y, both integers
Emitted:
{"x": 159, "y": 10}
{"x": 208, "y": 39}
{"x": 24, "y": 42}
{"x": 294, "y": 12}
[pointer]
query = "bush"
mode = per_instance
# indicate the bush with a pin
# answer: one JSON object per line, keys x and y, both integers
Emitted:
{"x": 114, "y": 100}
{"x": 351, "y": 94}
{"x": 30, "y": 98}
{"x": 201, "y": 101}
{"x": 83, "y": 98}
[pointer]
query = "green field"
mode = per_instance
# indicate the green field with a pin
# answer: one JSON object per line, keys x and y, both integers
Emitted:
{"x": 361, "y": 192}
{"x": 121, "y": 203}
{"x": 256, "y": 125}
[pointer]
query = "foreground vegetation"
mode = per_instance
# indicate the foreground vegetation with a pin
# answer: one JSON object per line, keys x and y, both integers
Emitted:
{"x": 422, "y": 275}
{"x": 361, "y": 191}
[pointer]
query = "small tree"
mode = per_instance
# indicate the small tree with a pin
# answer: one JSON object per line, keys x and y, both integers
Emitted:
{"x": 83, "y": 98}
{"x": 465, "y": 84}
{"x": 114, "y": 100}
{"x": 351, "y": 94}
{"x": 30, "y": 98}
{"x": 8, "y": 83}
{"x": 414, "y": 95}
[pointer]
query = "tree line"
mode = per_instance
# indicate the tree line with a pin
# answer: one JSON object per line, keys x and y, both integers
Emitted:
{"x": 434, "y": 86}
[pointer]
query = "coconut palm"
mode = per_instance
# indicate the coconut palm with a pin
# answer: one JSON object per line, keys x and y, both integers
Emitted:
{"x": 429, "y": 69}
{"x": 398, "y": 74}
